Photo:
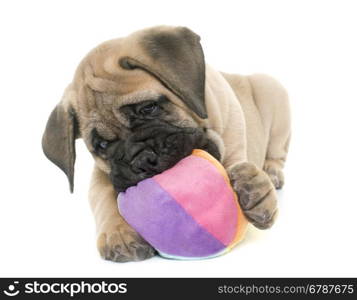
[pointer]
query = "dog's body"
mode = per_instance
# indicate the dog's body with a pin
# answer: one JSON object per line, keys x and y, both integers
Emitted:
{"x": 143, "y": 102}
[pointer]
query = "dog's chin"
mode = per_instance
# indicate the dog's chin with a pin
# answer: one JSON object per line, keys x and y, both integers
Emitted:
{"x": 151, "y": 151}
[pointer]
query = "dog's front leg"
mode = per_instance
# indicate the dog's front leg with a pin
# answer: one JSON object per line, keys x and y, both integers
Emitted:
{"x": 116, "y": 240}
{"x": 256, "y": 193}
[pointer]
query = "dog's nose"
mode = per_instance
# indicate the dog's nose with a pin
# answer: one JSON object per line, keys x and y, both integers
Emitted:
{"x": 145, "y": 162}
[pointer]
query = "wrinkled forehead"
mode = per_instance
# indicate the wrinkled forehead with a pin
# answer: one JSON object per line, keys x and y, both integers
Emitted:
{"x": 105, "y": 93}
{"x": 100, "y": 108}
{"x": 102, "y": 72}
{"x": 104, "y": 83}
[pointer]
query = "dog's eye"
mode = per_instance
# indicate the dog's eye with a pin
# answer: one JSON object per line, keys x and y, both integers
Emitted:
{"x": 103, "y": 144}
{"x": 149, "y": 109}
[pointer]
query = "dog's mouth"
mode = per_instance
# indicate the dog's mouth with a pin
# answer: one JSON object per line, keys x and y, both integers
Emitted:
{"x": 152, "y": 150}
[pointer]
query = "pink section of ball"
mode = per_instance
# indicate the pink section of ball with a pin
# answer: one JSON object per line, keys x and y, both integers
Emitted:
{"x": 201, "y": 190}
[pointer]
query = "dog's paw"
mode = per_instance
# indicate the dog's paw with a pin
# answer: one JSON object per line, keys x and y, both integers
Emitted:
{"x": 275, "y": 173}
{"x": 256, "y": 194}
{"x": 123, "y": 244}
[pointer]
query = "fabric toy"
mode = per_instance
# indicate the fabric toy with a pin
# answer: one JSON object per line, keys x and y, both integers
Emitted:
{"x": 187, "y": 212}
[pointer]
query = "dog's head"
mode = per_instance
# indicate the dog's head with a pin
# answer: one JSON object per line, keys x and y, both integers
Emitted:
{"x": 137, "y": 102}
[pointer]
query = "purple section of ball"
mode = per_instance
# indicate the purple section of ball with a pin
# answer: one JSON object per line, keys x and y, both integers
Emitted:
{"x": 160, "y": 220}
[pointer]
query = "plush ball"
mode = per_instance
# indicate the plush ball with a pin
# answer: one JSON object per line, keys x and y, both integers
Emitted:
{"x": 187, "y": 212}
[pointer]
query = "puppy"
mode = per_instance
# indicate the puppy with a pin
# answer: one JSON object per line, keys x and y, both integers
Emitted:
{"x": 143, "y": 102}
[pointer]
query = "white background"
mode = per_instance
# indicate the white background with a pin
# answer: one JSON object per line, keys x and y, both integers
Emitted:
{"x": 310, "y": 46}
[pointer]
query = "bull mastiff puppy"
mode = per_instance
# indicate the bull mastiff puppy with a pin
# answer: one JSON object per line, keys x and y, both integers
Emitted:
{"x": 143, "y": 102}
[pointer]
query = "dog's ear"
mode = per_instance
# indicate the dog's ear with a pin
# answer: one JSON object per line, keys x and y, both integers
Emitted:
{"x": 175, "y": 57}
{"x": 58, "y": 141}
